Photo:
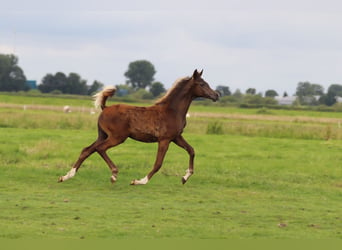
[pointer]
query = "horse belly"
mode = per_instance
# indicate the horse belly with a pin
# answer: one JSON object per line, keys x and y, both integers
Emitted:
{"x": 144, "y": 137}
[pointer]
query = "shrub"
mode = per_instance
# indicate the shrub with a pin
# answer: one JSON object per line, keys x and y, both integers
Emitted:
{"x": 263, "y": 111}
{"x": 56, "y": 92}
{"x": 215, "y": 128}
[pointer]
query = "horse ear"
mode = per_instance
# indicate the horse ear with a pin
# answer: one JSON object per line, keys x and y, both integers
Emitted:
{"x": 196, "y": 74}
{"x": 200, "y": 73}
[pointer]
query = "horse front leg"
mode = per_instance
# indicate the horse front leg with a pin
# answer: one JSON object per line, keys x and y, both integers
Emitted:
{"x": 101, "y": 150}
{"x": 181, "y": 142}
{"x": 111, "y": 166}
{"x": 162, "y": 149}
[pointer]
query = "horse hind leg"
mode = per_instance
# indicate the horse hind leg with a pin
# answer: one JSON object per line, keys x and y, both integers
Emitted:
{"x": 86, "y": 152}
{"x": 68, "y": 175}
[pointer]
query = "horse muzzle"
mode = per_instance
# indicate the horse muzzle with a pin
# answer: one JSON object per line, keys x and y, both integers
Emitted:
{"x": 215, "y": 96}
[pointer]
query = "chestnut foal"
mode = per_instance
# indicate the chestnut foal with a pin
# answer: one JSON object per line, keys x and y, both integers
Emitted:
{"x": 162, "y": 122}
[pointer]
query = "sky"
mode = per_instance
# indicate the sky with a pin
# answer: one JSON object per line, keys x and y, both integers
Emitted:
{"x": 261, "y": 44}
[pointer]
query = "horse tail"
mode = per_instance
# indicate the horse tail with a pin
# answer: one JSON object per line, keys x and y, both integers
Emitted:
{"x": 101, "y": 97}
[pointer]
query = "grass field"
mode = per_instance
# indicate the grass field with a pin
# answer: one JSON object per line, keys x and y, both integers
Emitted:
{"x": 261, "y": 179}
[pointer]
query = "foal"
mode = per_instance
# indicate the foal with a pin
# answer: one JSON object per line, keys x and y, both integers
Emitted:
{"x": 162, "y": 122}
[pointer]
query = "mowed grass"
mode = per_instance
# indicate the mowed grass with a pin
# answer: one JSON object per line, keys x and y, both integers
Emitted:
{"x": 261, "y": 179}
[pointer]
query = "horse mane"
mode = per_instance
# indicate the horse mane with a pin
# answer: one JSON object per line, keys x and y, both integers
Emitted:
{"x": 177, "y": 87}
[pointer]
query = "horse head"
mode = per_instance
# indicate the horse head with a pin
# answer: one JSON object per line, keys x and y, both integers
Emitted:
{"x": 202, "y": 88}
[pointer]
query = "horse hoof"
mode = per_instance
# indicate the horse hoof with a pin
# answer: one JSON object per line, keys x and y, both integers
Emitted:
{"x": 183, "y": 181}
{"x": 142, "y": 181}
{"x": 60, "y": 179}
{"x": 112, "y": 179}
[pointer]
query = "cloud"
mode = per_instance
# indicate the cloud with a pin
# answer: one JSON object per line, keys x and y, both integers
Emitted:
{"x": 262, "y": 44}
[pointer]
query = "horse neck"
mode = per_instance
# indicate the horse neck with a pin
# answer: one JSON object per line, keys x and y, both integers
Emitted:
{"x": 179, "y": 98}
{"x": 180, "y": 104}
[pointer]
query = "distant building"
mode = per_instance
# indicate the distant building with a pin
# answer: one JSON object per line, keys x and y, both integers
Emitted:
{"x": 285, "y": 100}
{"x": 32, "y": 84}
{"x": 122, "y": 92}
{"x": 309, "y": 100}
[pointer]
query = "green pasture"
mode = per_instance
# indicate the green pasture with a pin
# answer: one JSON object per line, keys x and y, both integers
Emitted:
{"x": 57, "y": 100}
{"x": 259, "y": 179}
{"x": 253, "y": 124}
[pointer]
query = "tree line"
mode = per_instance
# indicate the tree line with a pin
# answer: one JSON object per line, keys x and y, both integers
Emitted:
{"x": 140, "y": 78}
{"x": 307, "y": 94}
{"x": 12, "y": 78}
{"x": 141, "y": 84}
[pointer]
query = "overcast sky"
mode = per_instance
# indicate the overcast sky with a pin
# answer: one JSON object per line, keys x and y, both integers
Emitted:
{"x": 265, "y": 44}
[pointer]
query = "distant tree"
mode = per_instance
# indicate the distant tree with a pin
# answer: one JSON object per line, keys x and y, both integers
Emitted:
{"x": 71, "y": 84}
{"x": 47, "y": 84}
{"x": 334, "y": 90}
{"x": 140, "y": 74}
{"x": 157, "y": 88}
{"x": 95, "y": 87}
{"x": 324, "y": 100}
{"x": 309, "y": 89}
{"x": 317, "y": 89}
{"x": 271, "y": 93}
{"x": 251, "y": 91}
{"x": 60, "y": 80}
{"x": 285, "y": 94}
{"x": 75, "y": 85}
{"x": 330, "y": 99}
{"x": 223, "y": 90}
{"x": 237, "y": 93}
{"x": 306, "y": 92}
{"x": 12, "y": 77}
{"x": 53, "y": 82}
{"x": 304, "y": 89}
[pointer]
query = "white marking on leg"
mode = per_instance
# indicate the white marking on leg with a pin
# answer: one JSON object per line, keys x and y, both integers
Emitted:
{"x": 113, "y": 179}
{"x": 69, "y": 175}
{"x": 142, "y": 181}
{"x": 187, "y": 175}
